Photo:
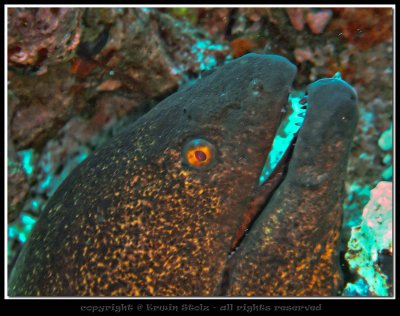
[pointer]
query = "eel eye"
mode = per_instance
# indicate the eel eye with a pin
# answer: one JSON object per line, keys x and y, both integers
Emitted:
{"x": 199, "y": 153}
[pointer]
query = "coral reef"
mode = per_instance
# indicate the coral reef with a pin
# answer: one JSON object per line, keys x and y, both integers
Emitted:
{"x": 364, "y": 27}
{"x": 41, "y": 37}
{"x": 370, "y": 242}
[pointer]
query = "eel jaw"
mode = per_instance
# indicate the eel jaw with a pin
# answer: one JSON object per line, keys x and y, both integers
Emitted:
{"x": 271, "y": 176}
{"x": 274, "y": 170}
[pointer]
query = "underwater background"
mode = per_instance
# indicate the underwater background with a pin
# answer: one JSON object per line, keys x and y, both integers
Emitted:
{"x": 77, "y": 76}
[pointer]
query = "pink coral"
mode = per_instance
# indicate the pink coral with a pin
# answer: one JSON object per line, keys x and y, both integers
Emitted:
{"x": 318, "y": 21}
{"x": 378, "y": 214}
{"x": 296, "y": 16}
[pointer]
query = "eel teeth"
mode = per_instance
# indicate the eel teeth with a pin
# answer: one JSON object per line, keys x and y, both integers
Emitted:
{"x": 287, "y": 131}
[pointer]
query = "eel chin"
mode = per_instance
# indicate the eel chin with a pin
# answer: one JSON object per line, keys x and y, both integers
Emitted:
{"x": 257, "y": 204}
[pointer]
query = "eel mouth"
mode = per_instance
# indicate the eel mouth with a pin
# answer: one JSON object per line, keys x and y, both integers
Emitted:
{"x": 275, "y": 167}
{"x": 272, "y": 175}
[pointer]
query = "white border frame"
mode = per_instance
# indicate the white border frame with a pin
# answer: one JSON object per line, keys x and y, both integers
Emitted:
{"x": 193, "y": 297}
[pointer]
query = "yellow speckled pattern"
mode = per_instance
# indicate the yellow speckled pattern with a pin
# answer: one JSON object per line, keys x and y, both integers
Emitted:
{"x": 135, "y": 219}
{"x": 292, "y": 249}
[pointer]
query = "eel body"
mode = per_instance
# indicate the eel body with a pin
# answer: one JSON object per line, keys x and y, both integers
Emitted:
{"x": 173, "y": 207}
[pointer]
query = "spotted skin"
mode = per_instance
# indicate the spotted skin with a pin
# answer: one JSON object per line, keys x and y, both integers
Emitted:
{"x": 135, "y": 219}
{"x": 292, "y": 249}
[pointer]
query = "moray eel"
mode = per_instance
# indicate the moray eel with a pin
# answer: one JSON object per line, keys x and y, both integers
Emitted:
{"x": 173, "y": 206}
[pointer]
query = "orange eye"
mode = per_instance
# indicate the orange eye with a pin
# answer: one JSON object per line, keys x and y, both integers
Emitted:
{"x": 199, "y": 153}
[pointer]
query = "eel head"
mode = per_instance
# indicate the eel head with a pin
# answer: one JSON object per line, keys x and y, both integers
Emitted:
{"x": 174, "y": 205}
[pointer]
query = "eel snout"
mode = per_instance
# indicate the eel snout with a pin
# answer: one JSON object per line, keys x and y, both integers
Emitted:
{"x": 291, "y": 248}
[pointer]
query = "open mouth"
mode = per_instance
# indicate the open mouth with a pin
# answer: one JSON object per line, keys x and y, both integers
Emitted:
{"x": 273, "y": 172}
{"x": 276, "y": 163}
{"x": 286, "y": 134}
